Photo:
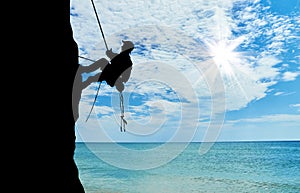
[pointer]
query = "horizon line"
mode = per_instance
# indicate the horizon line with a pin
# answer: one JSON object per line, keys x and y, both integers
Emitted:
{"x": 287, "y": 140}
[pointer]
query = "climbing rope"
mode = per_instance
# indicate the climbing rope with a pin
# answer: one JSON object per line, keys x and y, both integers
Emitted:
{"x": 99, "y": 24}
{"x": 87, "y": 58}
{"x": 123, "y": 121}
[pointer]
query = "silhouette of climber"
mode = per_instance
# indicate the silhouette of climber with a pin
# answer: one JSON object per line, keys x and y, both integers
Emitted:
{"x": 118, "y": 71}
{"x": 99, "y": 64}
{"x": 115, "y": 72}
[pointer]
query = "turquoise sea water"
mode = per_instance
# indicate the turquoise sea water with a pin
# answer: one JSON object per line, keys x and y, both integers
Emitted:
{"x": 227, "y": 167}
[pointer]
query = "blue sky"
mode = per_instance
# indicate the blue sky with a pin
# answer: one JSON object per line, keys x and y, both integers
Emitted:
{"x": 203, "y": 70}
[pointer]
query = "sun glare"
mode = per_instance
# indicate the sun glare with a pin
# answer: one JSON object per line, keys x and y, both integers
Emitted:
{"x": 229, "y": 62}
{"x": 224, "y": 55}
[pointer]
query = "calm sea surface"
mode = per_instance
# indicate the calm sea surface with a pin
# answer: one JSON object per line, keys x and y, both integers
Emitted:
{"x": 227, "y": 167}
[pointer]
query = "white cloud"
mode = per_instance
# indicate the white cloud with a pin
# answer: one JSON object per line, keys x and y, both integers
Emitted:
{"x": 271, "y": 118}
{"x": 278, "y": 93}
{"x": 268, "y": 127}
{"x": 290, "y": 76}
{"x": 297, "y": 106}
{"x": 284, "y": 93}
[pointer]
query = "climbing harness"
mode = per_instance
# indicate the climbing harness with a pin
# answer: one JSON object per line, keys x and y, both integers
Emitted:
{"x": 123, "y": 121}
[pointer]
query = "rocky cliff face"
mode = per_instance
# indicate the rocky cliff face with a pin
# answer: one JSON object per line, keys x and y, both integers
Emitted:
{"x": 43, "y": 63}
{"x": 65, "y": 72}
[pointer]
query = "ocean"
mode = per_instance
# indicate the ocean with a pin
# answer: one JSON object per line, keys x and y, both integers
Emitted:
{"x": 233, "y": 167}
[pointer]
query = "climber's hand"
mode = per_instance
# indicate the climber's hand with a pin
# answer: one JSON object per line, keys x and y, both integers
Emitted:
{"x": 109, "y": 52}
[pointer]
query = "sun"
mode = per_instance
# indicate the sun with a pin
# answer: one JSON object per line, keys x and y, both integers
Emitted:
{"x": 230, "y": 63}
{"x": 224, "y": 54}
